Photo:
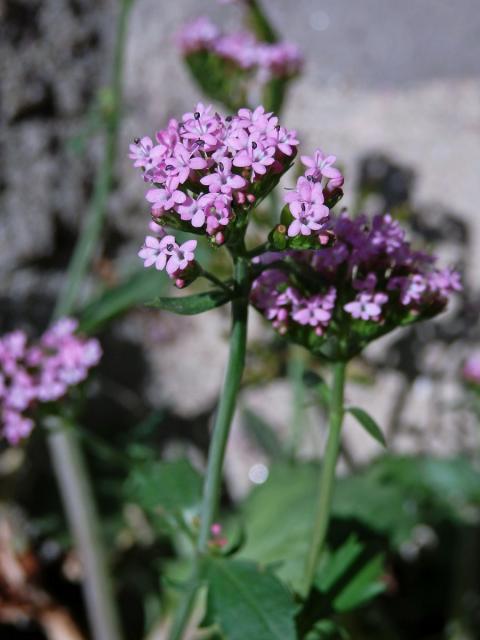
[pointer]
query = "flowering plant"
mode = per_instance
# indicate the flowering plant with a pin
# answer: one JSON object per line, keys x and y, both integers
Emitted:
{"x": 328, "y": 281}
{"x": 40, "y": 373}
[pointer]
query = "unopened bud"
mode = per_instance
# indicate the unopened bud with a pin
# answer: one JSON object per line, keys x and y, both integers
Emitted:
{"x": 180, "y": 283}
{"x": 219, "y": 238}
{"x": 251, "y": 198}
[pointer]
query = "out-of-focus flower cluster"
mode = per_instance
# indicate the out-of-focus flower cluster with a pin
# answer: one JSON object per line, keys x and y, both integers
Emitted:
{"x": 368, "y": 283}
{"x": 471, "y": 369}
{"x": 307, "y": 202}
{"x": 40, "y": 372}
{"x": 208, "y": 171}
{"x": 241, "y": 50}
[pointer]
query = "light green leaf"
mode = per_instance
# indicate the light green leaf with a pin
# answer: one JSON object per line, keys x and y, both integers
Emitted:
{"x": 286, "y": 497}
{"x": 134, "y": 290}
{"x": 248, "y": 602}
{"x": 368, "y": 423}
{"x": 191, "y": 305}
{"x": 164, "y": 486}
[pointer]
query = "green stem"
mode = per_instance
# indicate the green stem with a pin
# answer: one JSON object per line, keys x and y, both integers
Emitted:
{"x": 79, "y": 504}
{"x": 327, "y": 476}
{"x": 226, "y": 407}
{"x": 209, "y": 276}
{"x": 88, "y": 240}
{"x": 260, "y": 23}
{"x": 223, "y": 420}
{"x": 68, "y": 462}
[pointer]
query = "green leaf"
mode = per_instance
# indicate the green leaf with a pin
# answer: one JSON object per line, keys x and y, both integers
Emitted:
{"x": 191, "y": 305}
{"x": 264, "y": 434}
{"x": 248, "y": 602}
{"x": 134, "y": 290}
{"x": 327, "y": 630}
{"x": 336, "y": 563}
{"x": 365, "y": 585}
{"x": 368, "y": 423}
{"x": 286, "y": 497}
{"x": 160, "y": 487}
{"x": 349, "y": 575}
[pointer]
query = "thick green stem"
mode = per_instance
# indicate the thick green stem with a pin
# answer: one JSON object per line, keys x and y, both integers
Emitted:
{"x": 226, "y": 407}
{"x": 221, "y": 430}
{"x": 327, "y": 476}
{"x": 67, "y": 457}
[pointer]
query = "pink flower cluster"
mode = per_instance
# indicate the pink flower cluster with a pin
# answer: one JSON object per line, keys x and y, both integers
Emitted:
{"x": 471, "y": 369}
{"x": 208, "y": 170}
{"x": 41, "y": 372}
{"x": 307, "y": 201}
{"x": 242, "y": 49}
{"x": 370, "y": 274}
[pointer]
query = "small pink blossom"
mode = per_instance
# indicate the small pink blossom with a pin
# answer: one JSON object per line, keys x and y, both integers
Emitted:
{"x": 321, "y": 166}
{"x": 166, "y": 198}
{"x": 367, "y": 306}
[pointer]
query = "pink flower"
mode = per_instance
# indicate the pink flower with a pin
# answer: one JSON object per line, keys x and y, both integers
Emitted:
{"x": 320, "y": 166}
{"x": 283, "y": 139}
{"x": 166, "y": 198}
{"x": 193, "y": 210}
{"x": 156, "y": 251}
{"x": 145, "y": 154}
{"x": 42, "y": 372}
{"x": 255, "y": 155}
{"x": 411, "y": 287}
{"x": 307, "y": 197}
{"x": 367, "y": 306}
{"x": 471, "y": 369}
{"x": 184, "y": 162}
{"x": 201, "y": 125}
{"x": 316, "y": 311}
{"x": 181, "y": 257}
{"x": 223, "y": 180}
{"x": 217, "y": 211}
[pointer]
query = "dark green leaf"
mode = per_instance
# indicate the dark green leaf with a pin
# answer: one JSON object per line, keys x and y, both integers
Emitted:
{"x": 135, "y": 290}
{"x": 191, "y": 305}
{"x": 349, "y": 575}
{"x": 337, "y": 563}
{"x": 164, "y": 486}
{"x": 248, "y": 602}
{"x": 365, "y": 585}
{"x": 327, "y": 630}
{"x": 368, "y": 423}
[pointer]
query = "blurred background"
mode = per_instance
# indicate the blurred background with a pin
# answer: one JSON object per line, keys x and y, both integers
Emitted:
{"x": 393, "y": 90}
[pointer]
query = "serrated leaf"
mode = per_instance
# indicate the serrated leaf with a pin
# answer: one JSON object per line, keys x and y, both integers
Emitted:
{"x": 368, "y": 423}
{"x": 288, "y": 490}
{"x": 248, "y": 602}
{"x": 164, "y": 486}
{"x": 136, "y": 289}
{"x": 191, "y": 305}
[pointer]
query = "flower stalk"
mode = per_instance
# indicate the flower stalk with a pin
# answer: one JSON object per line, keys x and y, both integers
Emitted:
{"x": 221, "y": 431}
{"x": 67, "y": 457}
{"x": 327, "y": 476}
